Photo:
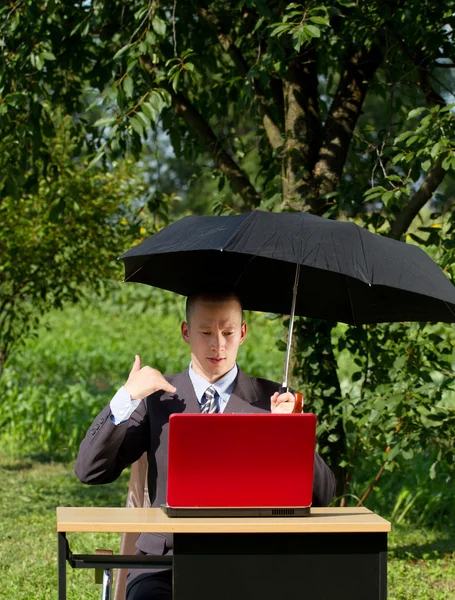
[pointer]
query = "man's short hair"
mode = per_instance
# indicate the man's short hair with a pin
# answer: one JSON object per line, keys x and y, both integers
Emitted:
{"x": 210, "y": 296}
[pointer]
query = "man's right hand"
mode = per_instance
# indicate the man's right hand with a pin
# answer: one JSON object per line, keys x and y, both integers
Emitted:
{"x": 144, "y": 381}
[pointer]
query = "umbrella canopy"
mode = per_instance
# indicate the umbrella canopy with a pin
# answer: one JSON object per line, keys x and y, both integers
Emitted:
{"x": 347, "y": 273}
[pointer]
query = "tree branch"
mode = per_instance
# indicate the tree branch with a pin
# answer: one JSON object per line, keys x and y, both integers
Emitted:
{"x": 417, "y": 202}
{"x": 436, "y": 174}
{"x": 419, "y": 60}
{"x": 359, "y": 69}
{"x": 371, "y": 486}
{"x": 302, "y": 129}
{"x": 271, "y": 128}
{"x": 238, "y": 178}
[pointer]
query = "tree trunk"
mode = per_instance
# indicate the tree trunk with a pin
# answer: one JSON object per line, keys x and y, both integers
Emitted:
{"x": 319, "y": 372}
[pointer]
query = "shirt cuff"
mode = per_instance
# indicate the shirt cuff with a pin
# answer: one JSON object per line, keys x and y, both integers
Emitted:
{"x": 122, "y": 407}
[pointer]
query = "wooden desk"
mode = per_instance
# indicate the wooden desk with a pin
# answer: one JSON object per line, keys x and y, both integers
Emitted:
{"x": 334, "y": 553}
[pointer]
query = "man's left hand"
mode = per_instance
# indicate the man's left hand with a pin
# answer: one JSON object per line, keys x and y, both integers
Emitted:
{"x": 282, "y": 403}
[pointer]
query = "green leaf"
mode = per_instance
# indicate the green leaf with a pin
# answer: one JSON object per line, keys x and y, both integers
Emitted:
{"x": 375, "y": 189}
{"x": 447, "y": 162}
{"x": 403, "y": 136}
{"x": 15, "y": 98}
{"x": 175, "y": 80}
{"x": 105, "y": 121}
{"x": 426, "y": 165}
{"x": 319, "y": 20}
{"x": 447, "y": 108}
{"x": 144, "y": 120}
{"x": 312, "y": 31}
{"x": 397, "y": 158}
{"x": 259, "y": 24}
{"x": 393, "y": 452}
{"x": 411, "y": 140}
{"x": 127, "y": 85}
{"x": 416, "y": 111}
{"x": 97, "y": 158}
{"x": 137, "y": 125}
{"x": 435, "y": 150}
{"x": 148, "y": 110}
{"x": 141, "y": 13}
{"x": 47, "y": 55}
{"x": 159, "y": 26}
{"x": 280, "y": 30}
{"x": 387, "y": 196}
{"x": 122, "y": 51}
{"x": 156, "y": 101}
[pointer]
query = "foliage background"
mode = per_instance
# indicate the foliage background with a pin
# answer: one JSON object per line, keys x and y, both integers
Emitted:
{"x": 342, "y": 108}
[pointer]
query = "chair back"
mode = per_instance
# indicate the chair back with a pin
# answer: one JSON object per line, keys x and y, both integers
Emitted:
{"x": 138, "y": 497}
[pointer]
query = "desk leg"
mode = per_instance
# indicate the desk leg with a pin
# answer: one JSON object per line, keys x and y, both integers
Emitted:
{"x": 62, "y": 552}
{"x": 325, "y": 566}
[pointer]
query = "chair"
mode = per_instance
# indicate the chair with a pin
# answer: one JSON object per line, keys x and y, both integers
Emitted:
{"x": 138, "y": 497}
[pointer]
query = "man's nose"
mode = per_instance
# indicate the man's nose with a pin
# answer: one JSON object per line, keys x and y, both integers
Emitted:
{"x": 217, "y": 341}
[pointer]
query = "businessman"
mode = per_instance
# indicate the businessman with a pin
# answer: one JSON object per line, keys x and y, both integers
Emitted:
{"x": 137, "y": 418}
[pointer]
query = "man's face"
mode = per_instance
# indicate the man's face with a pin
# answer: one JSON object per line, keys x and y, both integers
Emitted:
{"x": 214, "y": 333}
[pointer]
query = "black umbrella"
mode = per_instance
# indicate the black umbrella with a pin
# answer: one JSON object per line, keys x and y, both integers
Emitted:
{"x": 347, "y": 273}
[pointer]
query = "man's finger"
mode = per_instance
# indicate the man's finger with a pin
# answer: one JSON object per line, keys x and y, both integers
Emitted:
{"x": 136, "y": 365}
{"x": 285, "y": 397}
{"x": 274, "y": 397}
{"x": 167, "y": 387}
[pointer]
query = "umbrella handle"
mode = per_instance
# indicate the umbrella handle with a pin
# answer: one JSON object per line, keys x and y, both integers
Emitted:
{"x": 298, "y": 405}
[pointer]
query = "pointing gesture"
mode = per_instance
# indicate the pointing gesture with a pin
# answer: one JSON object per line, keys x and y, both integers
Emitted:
{"x": 143, "y": 381}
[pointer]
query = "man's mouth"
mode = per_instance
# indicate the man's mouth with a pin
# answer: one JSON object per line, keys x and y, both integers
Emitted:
{"x": 215, "y": 361}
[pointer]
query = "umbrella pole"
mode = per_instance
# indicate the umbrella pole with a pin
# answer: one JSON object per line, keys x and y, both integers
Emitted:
{"x": 284, "y": 387}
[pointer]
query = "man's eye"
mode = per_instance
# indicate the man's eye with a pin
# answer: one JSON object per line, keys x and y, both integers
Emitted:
{"x": 228, "y": 332}
{"x": 205, "y": 332}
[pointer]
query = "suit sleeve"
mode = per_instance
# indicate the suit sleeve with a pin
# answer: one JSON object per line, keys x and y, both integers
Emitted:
{"x": 323, "y": 483}
{"x": 107, "y": 448}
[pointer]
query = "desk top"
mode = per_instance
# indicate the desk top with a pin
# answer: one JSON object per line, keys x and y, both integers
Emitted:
{"x": 321, "y": 520}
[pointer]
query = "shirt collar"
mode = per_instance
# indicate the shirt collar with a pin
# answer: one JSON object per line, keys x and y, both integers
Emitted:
{"x": 223, "y": 386}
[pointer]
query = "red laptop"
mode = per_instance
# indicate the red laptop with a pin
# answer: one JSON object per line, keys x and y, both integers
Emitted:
{"x": 240, "y": 465}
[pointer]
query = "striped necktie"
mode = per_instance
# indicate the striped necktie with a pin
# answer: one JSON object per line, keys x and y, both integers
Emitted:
{"x": 210, "y": 405}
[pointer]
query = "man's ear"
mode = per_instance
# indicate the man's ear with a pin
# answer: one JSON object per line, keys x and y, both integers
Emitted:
{"x": 185, "y": 332}
{"x": 243, "y": 332}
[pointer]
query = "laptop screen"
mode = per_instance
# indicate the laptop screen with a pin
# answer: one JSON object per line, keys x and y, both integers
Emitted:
{"x": 230, "y": 461}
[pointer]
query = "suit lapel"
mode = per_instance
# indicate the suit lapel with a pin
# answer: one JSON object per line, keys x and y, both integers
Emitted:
{"x": 244, "y": 398}
{"x": 185, "y": 392}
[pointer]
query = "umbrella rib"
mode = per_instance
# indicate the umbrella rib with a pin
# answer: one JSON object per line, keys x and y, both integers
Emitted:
{"x": 448, "y": 306}
{"x": 132, "y": 274}
{"x": 350, "y": 300}
{"x": 243, "y": 270}
{"x": 250, "y": 216}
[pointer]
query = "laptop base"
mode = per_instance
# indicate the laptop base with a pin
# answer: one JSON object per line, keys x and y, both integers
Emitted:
{"x": 236, "y": 512}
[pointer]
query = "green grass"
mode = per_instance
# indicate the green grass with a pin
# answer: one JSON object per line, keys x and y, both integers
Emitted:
{"x": 421, "y": 561}
{"x": 31, "y": 491}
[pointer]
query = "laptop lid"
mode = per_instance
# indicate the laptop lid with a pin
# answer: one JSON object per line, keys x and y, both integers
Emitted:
{"x": 230, "y": 460}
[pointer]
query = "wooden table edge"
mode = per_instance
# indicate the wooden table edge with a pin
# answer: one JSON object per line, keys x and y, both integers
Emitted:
{"x": 372, "y": 524}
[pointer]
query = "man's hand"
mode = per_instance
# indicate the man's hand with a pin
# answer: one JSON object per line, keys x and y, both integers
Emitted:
{"x": 282, "y": 403}
{"x": 144, "y": 381}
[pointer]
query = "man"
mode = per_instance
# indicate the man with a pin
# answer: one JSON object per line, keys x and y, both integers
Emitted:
{"x": 137, "y": 418}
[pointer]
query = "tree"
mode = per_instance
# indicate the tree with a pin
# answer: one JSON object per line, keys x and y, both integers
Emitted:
{"x": 63, "y": 237}
{"x": 341, "y": 108}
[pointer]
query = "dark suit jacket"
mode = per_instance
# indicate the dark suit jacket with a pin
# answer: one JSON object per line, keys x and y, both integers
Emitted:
{"x": 107, "y": 448}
